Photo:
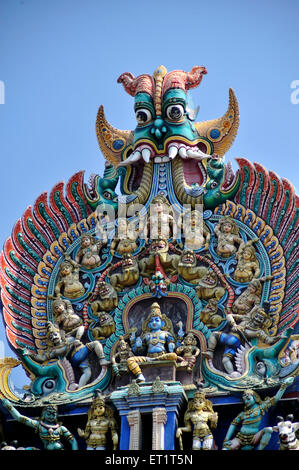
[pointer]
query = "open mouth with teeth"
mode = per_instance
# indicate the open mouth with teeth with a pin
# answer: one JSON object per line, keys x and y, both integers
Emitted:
{"x": 188, "y": 259}
{"x": 192, "y": 159}
{"x": 127, "y": 263}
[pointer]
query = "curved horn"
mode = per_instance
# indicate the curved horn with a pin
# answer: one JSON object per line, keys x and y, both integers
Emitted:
{"x": 134, "y": 85}
{"x": 222, "y": 132}
{"x": 112, "y": 141}
{"x": 129, "y": 82}
{"x": 194, "y": 77}
{"x": 279, "y": 419}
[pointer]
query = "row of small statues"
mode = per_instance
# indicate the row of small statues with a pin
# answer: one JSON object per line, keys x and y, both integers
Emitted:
{"x": 204, "y": 279}
{"x": 207, "y": 287}
{"x": 158, "y": 338}
{"x": 88, "y": 255}
{"x": 157, "y": 342}
{"x": 244, "y": 432}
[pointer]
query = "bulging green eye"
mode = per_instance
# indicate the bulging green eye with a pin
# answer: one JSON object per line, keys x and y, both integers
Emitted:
{"x": 107, "y": 195}
{"x": 143, "y": 116}
{"x": 175, "y": 112}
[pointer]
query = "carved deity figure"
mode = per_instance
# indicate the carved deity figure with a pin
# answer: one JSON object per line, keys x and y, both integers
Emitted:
{"x": 195, "y": 231}
{"x": 106, "y": 300}
{"x": 188, "y": 351}
{"x": 188, "y": 269}
{"x": 227, "y": 234}
{"x": 88, "y": 254}
{"x": 68, "y": 283}
{"x": 61, "y": 346}
{"x": 253, "y": 325}
{"x": 209, "y": 314}
{"x": 129, "y": 274}
{"x": 248, "y": 266}
{"x": 126, "y": 240}
{"x": 66, "y": 318}
{"x": 208, "y": 286}
{"x": 100, "y": 420}
{"x": 161, "y": 222}
{"x": 157, "y": 334}
{"x": 250, "y": 298}
{"x": 50, "y": 431}
{"x": 244, "y": 433}
{"x": 119, "y": 359}
{"x": 198, "y": 416}
{"x": 105, "y": 326}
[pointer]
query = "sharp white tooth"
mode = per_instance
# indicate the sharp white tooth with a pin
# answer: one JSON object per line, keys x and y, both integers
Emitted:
{"x": 172, "y": 152}
{"x": 197, "y": 154}
{"x": 146, "y": 155}
{"x": 134, "y": 157}
{"x": 183, "y": 152}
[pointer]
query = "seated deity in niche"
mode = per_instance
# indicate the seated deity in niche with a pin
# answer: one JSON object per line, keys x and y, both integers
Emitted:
{"x": 157, "y": 341}
{"x": 248, "y": 266}
{"x": 227, "y": 234}
{"x": 68, "y": 283}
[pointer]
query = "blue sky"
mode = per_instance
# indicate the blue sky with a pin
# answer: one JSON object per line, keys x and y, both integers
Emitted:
{"x": 60, "y": 59}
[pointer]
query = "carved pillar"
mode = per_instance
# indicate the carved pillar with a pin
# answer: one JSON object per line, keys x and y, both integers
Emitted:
{"x": 159, "y": 421}
{"x": 134, "y": 420}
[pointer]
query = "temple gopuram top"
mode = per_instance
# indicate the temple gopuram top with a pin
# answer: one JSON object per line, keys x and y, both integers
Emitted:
{"x": 177, "y": 296}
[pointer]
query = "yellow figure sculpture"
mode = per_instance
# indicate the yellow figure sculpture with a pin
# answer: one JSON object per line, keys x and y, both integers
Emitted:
{"x": 250, "y": 298}
{"x": 100, "y": 419}
{"x": 188, "y": 269}
{"x": 188, "y": 351}
{"x": 227, "y": 234}
{"x": 129, "y": 274}
{"x": 198, "y": 416}
{"x": 248, "y": 265}
{"x": 119, "y": 359}
{"x": 88, "y": 253}
{"x": 208, "y": 286}
{"x": 67, "y": 319}
{"x": 68, "y": 283}
{"x": 209, "y": 314}
{"x": 126, "y": 240}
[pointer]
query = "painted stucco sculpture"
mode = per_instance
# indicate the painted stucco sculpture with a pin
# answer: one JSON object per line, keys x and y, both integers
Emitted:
{"x": 214, "y": 251}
